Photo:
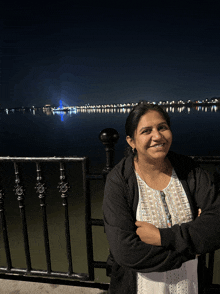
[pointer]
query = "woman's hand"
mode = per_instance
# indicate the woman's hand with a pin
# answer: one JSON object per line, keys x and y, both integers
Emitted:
{"x": 148, "y": 233}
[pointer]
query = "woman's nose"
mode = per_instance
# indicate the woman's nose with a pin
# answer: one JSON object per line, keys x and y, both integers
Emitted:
{"x": 156, "y": 135}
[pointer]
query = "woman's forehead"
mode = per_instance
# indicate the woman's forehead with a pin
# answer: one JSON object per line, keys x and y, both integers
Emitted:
{"x": 151, "y": 118}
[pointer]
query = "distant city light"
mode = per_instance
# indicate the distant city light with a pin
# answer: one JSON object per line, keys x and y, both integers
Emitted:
{"x": 61, "y": 104}
{"x": 212, "y": 104}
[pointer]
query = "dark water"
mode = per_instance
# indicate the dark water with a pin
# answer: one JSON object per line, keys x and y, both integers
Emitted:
{"x": 41, "y": 134}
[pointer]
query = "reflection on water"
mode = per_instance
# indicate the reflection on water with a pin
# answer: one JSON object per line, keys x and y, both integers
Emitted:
{"x": 105, "y": 109}
{"x": 125, "y": 110}
{"x": 69, "y": 133}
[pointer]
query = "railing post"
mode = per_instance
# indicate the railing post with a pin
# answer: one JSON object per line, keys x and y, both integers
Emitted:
{"x": 4, "y": 230}
{"x": 19, "y": 192}
{"x": 40, "y": 189}
{"x": 88, "y": 219}
{"x": 63, "y": 188}
{"x": 109, "y": 137}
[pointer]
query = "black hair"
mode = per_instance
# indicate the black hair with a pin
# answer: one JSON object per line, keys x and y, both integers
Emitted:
{"x": 134, "y": 117}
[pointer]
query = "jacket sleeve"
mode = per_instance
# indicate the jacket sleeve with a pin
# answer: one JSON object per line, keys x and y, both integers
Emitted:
{"x": 126, "y": 247}
{"x": 203, "y": 234}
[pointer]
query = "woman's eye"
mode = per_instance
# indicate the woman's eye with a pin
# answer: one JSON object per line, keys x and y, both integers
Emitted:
{"x": 147, "y": 131}
{"x": 163, "y": 128}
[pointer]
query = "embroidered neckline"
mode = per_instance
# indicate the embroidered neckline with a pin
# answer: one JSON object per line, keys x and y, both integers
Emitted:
{"x": 171, "y": 179}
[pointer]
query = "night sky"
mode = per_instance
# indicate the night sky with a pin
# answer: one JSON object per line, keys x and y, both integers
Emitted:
{"x": 85, "y": 52}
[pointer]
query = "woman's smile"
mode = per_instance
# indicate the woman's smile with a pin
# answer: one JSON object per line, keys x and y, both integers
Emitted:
{"x": 158, "y": 145}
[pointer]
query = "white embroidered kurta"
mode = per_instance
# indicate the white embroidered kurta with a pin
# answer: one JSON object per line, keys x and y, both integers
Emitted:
{"x": 164, "y": 209}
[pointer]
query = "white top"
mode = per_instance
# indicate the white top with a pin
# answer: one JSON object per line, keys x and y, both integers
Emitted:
{"x": 164, "y": 209}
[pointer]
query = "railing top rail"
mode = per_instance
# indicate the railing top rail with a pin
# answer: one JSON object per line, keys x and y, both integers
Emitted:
{"x": 206, "y": 159}
{"x": 83, "y": 158}
{"x": 60, "y": 158}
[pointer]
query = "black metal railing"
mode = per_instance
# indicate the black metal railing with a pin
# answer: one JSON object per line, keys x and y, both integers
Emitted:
{"x": 9, "y": 271}
{"x": 108, "y": 137}
{"x": 40, "y": 189}
{"x": 206, "y": 272}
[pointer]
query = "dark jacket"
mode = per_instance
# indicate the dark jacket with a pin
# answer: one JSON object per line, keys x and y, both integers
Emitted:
{"x": 179, "y": 243}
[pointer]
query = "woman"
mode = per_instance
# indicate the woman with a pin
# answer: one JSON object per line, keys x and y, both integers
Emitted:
{"x": 152, "y": 201}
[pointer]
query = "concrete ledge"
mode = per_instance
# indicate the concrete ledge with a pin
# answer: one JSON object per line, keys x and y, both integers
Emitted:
{"x": 21, "y": 287}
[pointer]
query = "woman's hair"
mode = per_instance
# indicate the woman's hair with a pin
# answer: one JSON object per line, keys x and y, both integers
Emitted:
{"x": 134, "y": 117}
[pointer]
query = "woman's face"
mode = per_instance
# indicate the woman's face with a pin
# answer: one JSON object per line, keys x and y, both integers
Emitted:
{"x": 152, "y": 138}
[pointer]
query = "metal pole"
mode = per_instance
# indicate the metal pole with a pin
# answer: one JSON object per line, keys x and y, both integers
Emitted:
{"x": 41, "y": 191}
{"x": 4, "y": 230}
{"x": 109, "y": 137}
{"x": 19, "y": 192}
{"x": 88, "y": 222}
{"x": 63, "y": 188}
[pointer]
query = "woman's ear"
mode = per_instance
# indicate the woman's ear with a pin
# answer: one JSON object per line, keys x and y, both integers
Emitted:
{"x": 130, "y": 142}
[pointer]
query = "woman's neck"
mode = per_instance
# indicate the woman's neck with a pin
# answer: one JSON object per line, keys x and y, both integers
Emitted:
{"x": 153, "y": 167}
{"x": 157, "y": 175}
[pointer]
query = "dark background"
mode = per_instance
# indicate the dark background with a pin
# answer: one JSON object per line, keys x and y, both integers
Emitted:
{"x": 97, "y": 52}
